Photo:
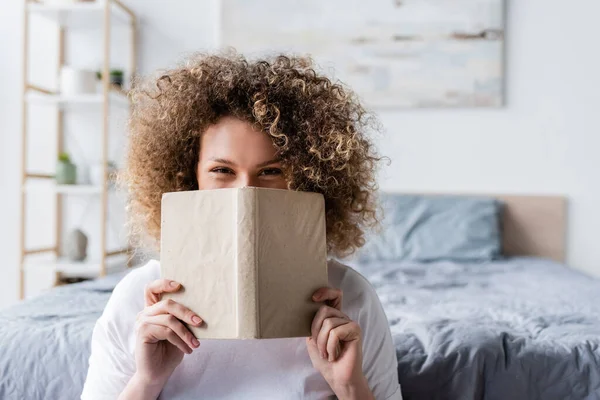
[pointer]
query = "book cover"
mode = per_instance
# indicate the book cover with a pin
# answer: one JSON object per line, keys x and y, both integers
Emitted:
{"x": 249, "y": 259}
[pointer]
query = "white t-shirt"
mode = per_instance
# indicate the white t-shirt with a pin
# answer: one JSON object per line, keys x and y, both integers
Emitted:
{"x": 239, "y": 369}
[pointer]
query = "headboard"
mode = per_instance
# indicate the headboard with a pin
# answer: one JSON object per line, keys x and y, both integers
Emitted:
{"x": 532, "y": 225}
{"x": 535, "y": 226}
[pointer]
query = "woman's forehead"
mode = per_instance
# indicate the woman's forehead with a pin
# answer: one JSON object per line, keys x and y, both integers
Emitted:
{"x": 236, "y": 140}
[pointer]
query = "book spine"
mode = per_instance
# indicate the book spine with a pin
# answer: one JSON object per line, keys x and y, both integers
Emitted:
{"x": 247, "y": 267}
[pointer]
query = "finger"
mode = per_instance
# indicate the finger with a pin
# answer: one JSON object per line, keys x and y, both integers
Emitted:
{"x": 151, "y": 333}
{"x": 323, "y": 336}
{"x": 154, "y": 290}
{"x": 348, "y": 332}
{"x": 331, "y": 296}
{"x": 170, "y": 306}
{"x": 313, "y": 352}
{"x": 342, "y": 333}
{"x": 333, "y": 344}
{"x": 323, "y": 313}
{"x": 176, "y": 326}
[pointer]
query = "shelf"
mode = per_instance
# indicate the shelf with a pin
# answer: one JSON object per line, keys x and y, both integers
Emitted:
{"x": 64, "y": 189}
{"x": 115, "y": 97}
{"x": 88, "y": 15}
{"x": 84, "y": 269}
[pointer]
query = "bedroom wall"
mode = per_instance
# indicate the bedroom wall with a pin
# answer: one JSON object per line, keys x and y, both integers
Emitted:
{"x": 10, "y": 122}
{"x": 544, "y": 142}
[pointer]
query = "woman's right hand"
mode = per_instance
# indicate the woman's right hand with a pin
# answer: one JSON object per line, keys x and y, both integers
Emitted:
{"x": 162, "y": 339}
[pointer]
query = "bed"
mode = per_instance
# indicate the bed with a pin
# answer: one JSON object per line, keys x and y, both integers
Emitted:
{"x": 523, "y": 327}
{"x": 520, "y": 326}
{"x": 45, "y": 341}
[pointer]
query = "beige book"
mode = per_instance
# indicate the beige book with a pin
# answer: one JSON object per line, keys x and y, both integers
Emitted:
{"x": 249, "y": 259}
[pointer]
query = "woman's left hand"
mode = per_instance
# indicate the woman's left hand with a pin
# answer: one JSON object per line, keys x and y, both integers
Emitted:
{"x": 335, "y": 347}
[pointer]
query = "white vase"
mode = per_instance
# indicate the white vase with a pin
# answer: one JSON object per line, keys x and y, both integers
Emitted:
{"x": 77, "y": 81}
{"x": 95, "y": 174}
{"x": 96, "y": 177}
{"x": 76, "y": 245}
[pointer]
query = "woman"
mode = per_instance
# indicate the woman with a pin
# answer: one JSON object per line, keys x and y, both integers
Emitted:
{"x": 222, "y": 122}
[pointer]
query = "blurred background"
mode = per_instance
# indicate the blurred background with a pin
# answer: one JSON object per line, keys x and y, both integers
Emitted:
{"x": 474, "y": 97}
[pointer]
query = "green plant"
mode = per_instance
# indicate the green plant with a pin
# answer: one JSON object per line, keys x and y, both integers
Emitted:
{"x": 66, "y": 171}
{"x": 113, "y": 72}
{"x": 64, "y": 157}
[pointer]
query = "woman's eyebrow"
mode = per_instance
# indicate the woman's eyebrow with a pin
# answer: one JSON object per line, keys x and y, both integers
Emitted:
{"x": 264, "y": 164}
{"x": 222, "y": 161}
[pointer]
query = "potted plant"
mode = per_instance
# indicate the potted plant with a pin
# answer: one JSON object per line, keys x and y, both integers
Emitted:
{"x": 66, "y": 171}
{"x": 116, "y": 77}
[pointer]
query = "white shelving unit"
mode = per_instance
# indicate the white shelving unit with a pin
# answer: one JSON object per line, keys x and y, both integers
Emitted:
{"x": 103, "y": 14}
{"x": 81, "y": 15}
{"x": 40, "y": 188}
{"x": 84, "y": 269}
{"x": 116, "y": 98}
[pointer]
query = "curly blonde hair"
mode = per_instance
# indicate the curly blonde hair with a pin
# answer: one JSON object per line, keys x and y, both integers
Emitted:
{"x": 317, "y": 126}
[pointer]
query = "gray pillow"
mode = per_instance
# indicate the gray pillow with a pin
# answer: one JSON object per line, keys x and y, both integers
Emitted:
{"x": 432, "y": 228}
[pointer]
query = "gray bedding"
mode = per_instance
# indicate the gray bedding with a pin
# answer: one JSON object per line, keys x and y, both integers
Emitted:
{"x": 45, "y": 341}
{"x": 520, "y": 329}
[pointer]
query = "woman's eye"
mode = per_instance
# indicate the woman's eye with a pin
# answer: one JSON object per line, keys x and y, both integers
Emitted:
{"x": 271, "y": 171}
{"x": 221, "y": 170}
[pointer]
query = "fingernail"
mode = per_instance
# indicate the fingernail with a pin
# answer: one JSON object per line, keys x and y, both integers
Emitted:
{"x": 195, "y": 342}
{"x": 323, "y": 356}
{"x": 316, "y": 297}
{"x": 174, "y": 284}
{"x": 196, "y": 320}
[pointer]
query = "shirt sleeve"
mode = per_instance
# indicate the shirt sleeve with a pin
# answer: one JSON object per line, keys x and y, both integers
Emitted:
{"x": 380, "y": 364}
{"x": 112, "y": 360}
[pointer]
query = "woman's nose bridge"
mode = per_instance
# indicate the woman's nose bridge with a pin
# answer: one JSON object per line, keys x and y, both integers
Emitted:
{"x": 247, "y": 179}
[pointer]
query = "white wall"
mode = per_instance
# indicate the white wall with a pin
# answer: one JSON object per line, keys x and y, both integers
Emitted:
{"x": 10, "y": 82}
{"x": 545, "y": 141}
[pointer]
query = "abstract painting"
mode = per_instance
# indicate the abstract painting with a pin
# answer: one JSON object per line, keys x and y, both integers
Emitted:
{"x": 393, "y": 53}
